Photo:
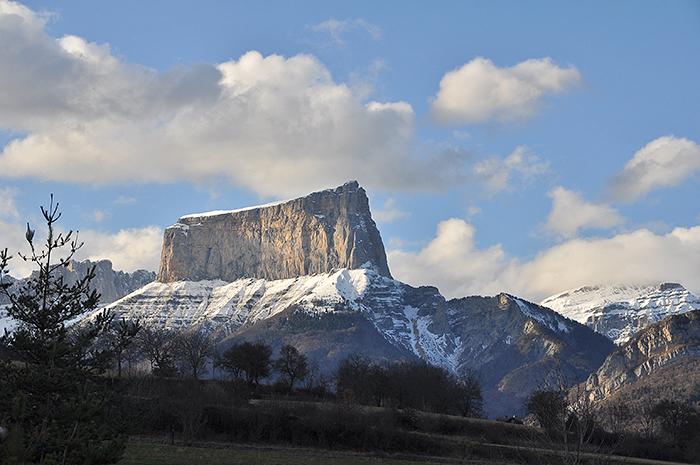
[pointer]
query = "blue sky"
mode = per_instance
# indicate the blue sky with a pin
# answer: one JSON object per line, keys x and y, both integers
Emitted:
{"x": 525, "y": 147}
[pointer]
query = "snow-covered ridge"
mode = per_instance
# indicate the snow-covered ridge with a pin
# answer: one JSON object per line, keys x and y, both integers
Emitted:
{"x": 214, "y": 304}
{"x": 551, "y": 321}
{"x": 237, "y": 210}
{"x": 219, "y": 308}
{"x": 619, "y": 311}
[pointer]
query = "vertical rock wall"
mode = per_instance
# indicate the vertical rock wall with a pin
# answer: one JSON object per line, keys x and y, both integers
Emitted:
{"x": 314, "y": 234}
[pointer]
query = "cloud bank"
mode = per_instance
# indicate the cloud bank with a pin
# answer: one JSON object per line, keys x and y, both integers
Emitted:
{"x": 453, "y": 262}
{"x": 277, "y": 126}
{"x": 128, "y": 250}
{"x": 480, "y": 91}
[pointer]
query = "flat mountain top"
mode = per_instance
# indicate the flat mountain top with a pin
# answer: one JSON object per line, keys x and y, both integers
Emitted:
{"x": 326, "y": 230}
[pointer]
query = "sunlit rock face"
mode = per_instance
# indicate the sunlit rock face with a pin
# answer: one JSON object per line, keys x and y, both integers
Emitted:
{"x": 323, "y": 231}
{"x": 674, "y": 338}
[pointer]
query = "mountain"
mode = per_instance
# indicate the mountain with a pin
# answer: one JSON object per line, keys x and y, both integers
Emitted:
{"x": 672, "y": 341}
{"x": 312, "y": 272}
{"x": 318, "y": 233}
{"x": 327, "y": 316}
{"x": 111, "y": 284}
{"x": 618, "y": 312}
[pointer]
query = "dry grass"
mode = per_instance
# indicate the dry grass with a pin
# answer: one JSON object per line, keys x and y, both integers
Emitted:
{"x": 149, "y": 454}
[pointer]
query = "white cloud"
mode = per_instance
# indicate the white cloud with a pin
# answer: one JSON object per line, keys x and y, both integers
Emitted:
{"x": 123, "y": 200}
{"x": 389, "y": 212}
{"x": 496, "y": 173}
{"x": 98, "y": 216}
{"x": 571, "y": 213}
{"x": 277, "y": 126}
{"x": 479, "y": 91}
{"x": 8, "y": 208}
{"x": 639, "y": 257}
{"x": 128, "y": 250}
{"x": 454, "y": 263}
{"x": 665, "y": 161}
{"x": 12, "y": 232}
{"x": 451, "y": 261}
{"x": 335, "y": 28}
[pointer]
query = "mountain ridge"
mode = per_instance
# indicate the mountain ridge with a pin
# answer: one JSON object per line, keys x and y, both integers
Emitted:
{"x": 366, "y": 312}
{"x": 620, "y": 311}
{"x": 675, "y": 338}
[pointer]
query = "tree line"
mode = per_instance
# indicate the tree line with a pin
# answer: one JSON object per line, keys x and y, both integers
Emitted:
{"x": 572, "y": 424}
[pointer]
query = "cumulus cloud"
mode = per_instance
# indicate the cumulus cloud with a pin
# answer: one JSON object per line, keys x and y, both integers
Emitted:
{"x": 11, "y": 230}
{"x": 8, "y": 209}
{"x": 454, "y": 263}
{"x": 666, "y": 161}
{"x": 277, "y": 126}
{"x": 639, "y": 257}
{"x": 451, "y": 261}
{"x": 128, "y": 250}
{"x": 495, "y": 173}
{"x": 571, "y": 213}
{"x": 480, "y": 91}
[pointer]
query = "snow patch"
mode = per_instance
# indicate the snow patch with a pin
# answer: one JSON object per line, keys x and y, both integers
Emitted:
{"x": 552, "y": 322}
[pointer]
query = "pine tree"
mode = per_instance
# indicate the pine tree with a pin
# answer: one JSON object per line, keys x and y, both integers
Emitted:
{"x": 55, "y": 410}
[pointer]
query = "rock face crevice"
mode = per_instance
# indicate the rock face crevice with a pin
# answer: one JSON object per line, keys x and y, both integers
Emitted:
{"x": 318, "y": 233}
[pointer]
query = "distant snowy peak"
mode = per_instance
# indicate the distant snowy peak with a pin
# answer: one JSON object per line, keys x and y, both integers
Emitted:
{"x": 618, "y": 311}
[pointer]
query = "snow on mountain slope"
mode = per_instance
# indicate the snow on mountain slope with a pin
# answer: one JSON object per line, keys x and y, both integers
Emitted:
{"x": 220, "y": 308}
{"x": 551, "y": 321}
{"x": 618, "y": 312}
{"x": 213, "y": 304}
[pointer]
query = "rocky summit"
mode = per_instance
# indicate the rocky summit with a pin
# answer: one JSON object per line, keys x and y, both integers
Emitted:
{"x": 326, "y": 230}
{"x": 618, "y": 312}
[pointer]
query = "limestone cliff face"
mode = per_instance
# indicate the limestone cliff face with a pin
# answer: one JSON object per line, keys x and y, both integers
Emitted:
{"x": 674, "y": 338}
{"x": 323, "y": 231}
{"x": 109, "y": 283}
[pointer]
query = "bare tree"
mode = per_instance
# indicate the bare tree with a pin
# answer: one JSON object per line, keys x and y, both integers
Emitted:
{"x": 312, "y": 375}
{"x": 678, "y": 420}
{"x": 192, "y": 349}
{"x": 157, "y": 345}
{"x": 470, "y": 400}
{"x": 292, "y": 364}
{"x": 570, "y": 432}
{"x": 120, "y": 337}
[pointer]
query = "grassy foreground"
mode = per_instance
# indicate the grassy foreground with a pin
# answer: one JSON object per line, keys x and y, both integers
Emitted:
{"x": 149, "y": 454}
